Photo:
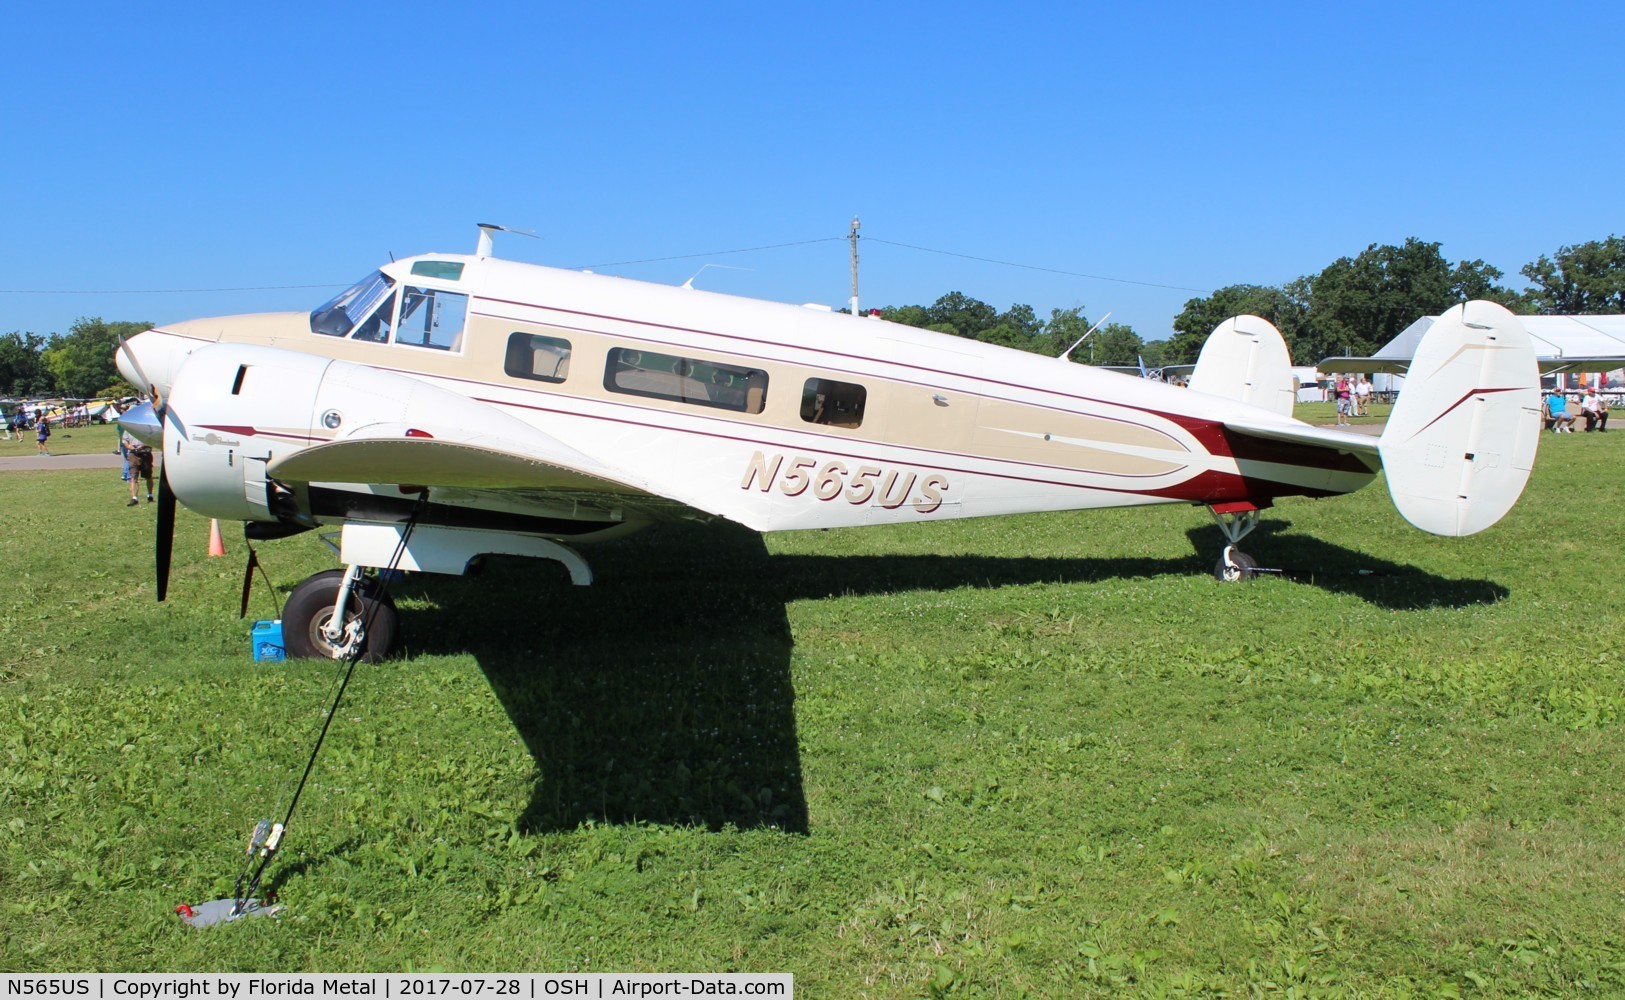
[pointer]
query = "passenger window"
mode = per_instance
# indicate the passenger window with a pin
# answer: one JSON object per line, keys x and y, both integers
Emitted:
{"x": 376, "y": 327}
{"x": 432, "y": 317}
{"x": 686, "y": 380}
{"x": 838, "y": 404}
{"x": 533, "y": 356}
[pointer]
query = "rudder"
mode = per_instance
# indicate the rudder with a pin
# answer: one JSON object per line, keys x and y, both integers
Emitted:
{"x": 1461, "y": 440}
{"x": 1245, "y": 359}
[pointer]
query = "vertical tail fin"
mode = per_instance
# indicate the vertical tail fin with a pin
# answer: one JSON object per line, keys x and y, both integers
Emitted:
{"x": 1458, "y": 448}
{"x": 1245, "y": 359}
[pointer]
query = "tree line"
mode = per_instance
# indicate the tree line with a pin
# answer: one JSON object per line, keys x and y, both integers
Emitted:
{"x": 79, "y": 364}
{"x": 1353, "y": 306}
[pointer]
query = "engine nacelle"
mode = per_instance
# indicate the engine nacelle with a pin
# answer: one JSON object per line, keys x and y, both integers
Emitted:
{"x": 232, "y": 409}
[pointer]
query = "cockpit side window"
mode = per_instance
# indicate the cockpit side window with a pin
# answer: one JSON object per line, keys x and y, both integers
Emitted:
{"x": 375, "y": 328}
{"x": 339, "y": 315}
{"x": 432, "y": 317}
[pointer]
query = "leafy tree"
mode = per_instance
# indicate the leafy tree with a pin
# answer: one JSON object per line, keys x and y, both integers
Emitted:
{"x": 1155, "y": 353}
{"x": 1357, "y": 304}
{"x": 907, "y": 315}
{"x": 962, "y": 314}
{"x": 82, "y": 361}
{"x": 1064, "y": 328}
{"x": 1584, "y": 278}
{"x": 21, "y": 372}
{"x": 1285, "y": 307}
{"x": 1115, "y": 344}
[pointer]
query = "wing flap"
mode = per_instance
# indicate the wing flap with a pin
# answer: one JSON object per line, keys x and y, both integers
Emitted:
{"x": 420, "y": 461}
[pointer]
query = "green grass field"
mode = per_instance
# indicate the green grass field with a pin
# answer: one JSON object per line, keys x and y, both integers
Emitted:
{"x": 97, "y": 439}
{"x": 1043, "y": 755}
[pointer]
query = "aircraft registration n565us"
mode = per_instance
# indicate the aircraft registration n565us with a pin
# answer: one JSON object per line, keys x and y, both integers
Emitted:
{"x": 467, "y": 405}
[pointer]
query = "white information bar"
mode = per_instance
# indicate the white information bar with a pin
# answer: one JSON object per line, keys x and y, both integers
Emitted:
{"x": 393, "y": 986}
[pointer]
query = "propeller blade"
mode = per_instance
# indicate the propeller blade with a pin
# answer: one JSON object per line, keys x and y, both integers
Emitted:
{"x": 166, "y": 531}
{"x": 146, "y": 383}
{"x": 248, "y": 580}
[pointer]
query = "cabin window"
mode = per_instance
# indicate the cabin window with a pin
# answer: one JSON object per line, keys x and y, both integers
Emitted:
{"x": 449, "y": 270}
{"x": 431, "y": 317}
{"x": 533, "y": 356}
{"x": 838, "y": 404}
{"x": 686, "y": 380}
{"x": 340, "y": 314}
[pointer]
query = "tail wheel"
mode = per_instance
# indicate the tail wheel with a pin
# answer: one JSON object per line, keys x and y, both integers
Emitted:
{"x": 1235, "y": 565}
{"x": 310, "y": 607}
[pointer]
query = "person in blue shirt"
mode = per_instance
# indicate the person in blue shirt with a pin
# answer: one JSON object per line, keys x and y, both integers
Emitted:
{"x": 1557, "y": 408}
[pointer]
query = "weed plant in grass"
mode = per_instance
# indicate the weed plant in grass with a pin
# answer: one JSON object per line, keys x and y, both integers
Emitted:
{"x": 1043, "y": 755}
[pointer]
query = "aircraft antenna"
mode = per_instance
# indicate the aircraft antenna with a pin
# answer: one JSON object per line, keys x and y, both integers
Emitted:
{"x": 483, "y": 248}
{"x": 1085, "y": 337}
{"x": 689, "y": 284}
{"x": 854, "y": 238}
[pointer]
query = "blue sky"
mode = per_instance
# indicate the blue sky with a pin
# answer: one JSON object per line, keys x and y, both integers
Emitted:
{"x": 164, "y": 147}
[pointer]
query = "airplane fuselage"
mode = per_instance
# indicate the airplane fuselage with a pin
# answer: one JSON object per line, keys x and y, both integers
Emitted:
{"x": 775, "y": 416}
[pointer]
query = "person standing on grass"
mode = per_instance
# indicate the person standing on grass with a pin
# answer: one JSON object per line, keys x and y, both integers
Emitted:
{"x": 41, "y": 435}
{"x": 140, "y": 459}
{"x": 1343, "y": 401}
{"x": 1362, "y": 397}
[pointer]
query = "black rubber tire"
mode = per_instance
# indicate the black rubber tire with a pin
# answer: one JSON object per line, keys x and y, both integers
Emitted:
{"x": 1245, "y": 569}
{"x": 311, "y": 605}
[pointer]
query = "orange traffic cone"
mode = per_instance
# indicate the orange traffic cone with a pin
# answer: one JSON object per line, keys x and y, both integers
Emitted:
{"x": 217, "y": 546}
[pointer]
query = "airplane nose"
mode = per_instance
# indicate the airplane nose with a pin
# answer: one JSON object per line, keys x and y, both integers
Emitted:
{"x": 144, "y": 425}
{"x": 150, "y": 360}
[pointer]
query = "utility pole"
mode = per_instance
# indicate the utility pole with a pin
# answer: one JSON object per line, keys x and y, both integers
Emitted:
{"x": 854, "y": 238}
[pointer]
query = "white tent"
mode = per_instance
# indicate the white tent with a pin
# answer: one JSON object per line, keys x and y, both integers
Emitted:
{"x": 1562, "y": 344}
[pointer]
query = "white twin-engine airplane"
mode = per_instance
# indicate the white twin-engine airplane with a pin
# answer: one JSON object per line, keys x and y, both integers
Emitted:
{"x": 473, "y": 405}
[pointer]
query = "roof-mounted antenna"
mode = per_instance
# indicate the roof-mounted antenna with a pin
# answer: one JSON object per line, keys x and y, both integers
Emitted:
{"x": 689, "y": 284}
{"x": 483, "y": 249}
{"x": 1085, "y": 337}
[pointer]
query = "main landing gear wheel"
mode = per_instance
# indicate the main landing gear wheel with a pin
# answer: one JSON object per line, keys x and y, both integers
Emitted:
{"x": 1235, "y": 565}
{"x": 310, "y": 608}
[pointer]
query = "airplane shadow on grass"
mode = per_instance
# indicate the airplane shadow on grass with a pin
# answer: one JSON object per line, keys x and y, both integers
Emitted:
{"x": 1309, "y": 560}
{"x": 662, "y": 693}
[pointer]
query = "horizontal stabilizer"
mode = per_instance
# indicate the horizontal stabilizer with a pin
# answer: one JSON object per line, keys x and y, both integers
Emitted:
{"x": 1297, "y": 432}
{"x": 1461, "y": 440}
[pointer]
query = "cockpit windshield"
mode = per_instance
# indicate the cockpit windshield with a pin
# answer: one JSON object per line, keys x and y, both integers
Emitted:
{"x": 338, "y": 315}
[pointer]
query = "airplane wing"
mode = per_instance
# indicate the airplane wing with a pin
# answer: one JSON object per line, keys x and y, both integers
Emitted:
{"x": 1552, "y": 366}
{"x": 545, "y": 470}
{"x": 377, "y": 456}
{"x": 1365, "y": 366}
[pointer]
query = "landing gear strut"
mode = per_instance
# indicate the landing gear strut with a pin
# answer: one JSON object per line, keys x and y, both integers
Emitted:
{"x": 1235, "y": 565}
{"x": 334, "y": 613}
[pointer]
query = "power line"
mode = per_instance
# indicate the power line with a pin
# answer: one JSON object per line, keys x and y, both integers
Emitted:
{"x": 714, "y": 253}
{"x": 1035, "y": 267}
{"x": 156, "y": 291}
